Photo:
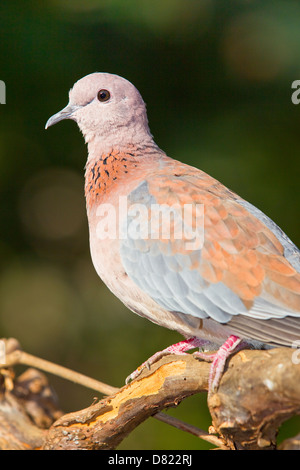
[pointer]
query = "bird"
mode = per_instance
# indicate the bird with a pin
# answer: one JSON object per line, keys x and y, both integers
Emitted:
{"x": 174, "y": 244}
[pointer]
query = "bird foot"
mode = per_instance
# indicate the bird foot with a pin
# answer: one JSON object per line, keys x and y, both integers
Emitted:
{"x": 218, "y": 360}
{"x": 178, "y": 348}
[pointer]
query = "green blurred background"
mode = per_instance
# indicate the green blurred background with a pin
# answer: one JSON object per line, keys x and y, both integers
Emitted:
{"x": 216, "y": 77}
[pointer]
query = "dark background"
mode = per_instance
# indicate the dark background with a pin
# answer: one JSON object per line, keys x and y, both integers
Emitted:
{"x": 216, "y": 77}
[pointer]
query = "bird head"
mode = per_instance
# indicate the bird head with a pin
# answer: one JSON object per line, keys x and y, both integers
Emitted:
{"x": 105, "y": 106}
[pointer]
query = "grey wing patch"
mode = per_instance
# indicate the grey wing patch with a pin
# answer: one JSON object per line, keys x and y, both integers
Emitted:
{"x": 166, "y": 276}
{"x": 274, "y": 331}
{"x": 291, "y": 251}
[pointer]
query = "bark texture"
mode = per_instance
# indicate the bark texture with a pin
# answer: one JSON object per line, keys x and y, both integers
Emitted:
{"x": 258, "y": 392}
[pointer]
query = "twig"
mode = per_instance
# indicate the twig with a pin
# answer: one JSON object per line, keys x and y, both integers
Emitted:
{"x": 191, "y": 429}
{"x": 21, "y": 357}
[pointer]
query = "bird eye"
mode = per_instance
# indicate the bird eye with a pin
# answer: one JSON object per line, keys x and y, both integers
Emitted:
{"x": 103, "y": 95}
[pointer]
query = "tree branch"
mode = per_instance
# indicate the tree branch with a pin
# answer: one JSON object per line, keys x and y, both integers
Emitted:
{"x": 258, "y": 391}
{"x": 18, "y": 356}
{"x": 109, "y": 421}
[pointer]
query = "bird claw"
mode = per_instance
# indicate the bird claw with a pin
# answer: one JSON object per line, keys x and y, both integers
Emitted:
{"x": 178, "y": 348}
{"x": 146, "y": 365}
{"x": 135, "y": 373}
{"x": 218, "y": 360}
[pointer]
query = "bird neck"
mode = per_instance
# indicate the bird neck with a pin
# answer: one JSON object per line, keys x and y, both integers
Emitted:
{"x": 105, "y": 172}
{"x": 139, "y": 137}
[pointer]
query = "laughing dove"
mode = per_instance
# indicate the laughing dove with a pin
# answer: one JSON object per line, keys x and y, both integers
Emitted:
{"x": 174, "y": 244}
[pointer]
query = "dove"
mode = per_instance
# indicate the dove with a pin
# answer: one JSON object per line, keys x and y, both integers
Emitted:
{"x": 174, "y": 244}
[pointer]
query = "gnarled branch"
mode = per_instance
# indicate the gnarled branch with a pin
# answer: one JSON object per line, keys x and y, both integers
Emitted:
{"x": 258, "y": 391}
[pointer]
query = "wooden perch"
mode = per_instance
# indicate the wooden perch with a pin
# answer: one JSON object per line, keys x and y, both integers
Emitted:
{"x": 259, "y": 390}
{"x": 105, "y": 424}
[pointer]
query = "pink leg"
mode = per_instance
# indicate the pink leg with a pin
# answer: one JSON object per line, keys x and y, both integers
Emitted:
{"x": 178, "y": 348}
{"x": 218, "y": 360}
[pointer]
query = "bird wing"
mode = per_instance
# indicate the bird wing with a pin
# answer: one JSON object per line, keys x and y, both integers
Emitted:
{"x": 230, "y": 263}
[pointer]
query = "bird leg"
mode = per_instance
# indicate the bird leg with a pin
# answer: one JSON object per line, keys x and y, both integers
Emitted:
{"x": 218, "y": 359}
{"x": 178, "y": 348}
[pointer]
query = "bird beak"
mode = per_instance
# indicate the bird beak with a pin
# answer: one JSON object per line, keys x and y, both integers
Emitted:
{"x": 65, "y": 113}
